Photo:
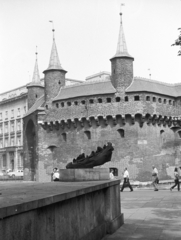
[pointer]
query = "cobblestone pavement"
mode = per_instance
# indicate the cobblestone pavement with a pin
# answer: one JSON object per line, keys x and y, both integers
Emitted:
{"x": 150, "y": 215}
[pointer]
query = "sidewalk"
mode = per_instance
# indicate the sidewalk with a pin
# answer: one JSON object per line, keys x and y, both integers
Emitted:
{"x": 149, "y": 215}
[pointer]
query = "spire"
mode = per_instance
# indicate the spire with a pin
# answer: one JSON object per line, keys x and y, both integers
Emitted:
{"x": 36, "y": 75}
{"x": 121, "y": 46}
{"x": 54, "y": 63}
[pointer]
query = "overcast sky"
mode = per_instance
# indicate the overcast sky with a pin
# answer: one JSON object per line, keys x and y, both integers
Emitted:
{"x": 86, "y": 34}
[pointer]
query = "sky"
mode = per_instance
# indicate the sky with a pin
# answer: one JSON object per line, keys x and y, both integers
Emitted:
{"x": 86, "y": 35}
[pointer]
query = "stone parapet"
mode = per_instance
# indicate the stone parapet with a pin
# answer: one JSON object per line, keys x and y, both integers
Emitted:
{"x": 43, "y": 211}
{"x": 90, "y": 174}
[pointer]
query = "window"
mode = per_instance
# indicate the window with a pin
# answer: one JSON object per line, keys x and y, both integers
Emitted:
{"x": 6, "y": 127}
{"x": 68, "y": 103}
{"x": 88, "y": 134}
{"x": 12, "y": 141}
{"x": 83, "y": 102}
{"x": 12, "y": 113}
{"x": 57, "y": 105}
{"x": 159, "y": 100}
{"x": 24, "y": 109}
{"x": 161, "y": 132}
{"x": 99, "y": 100}
{"x": 137, "y": 98}
{"x": 154, "y": 99}
{"x": 76, "y": 103}
{"x": 46, "y": 106}
{"x": 126, "y": 99}
{"x": 1, "y": 143}
{"x": 118, "y": 99}
{"x": 147, "y": 98}
{"x": 36, "y": 95}
{"x": 19, "y": 112}
{"x": 4, "y": 160}
{"x": 6, "y": 115}
{"x": 170, "y": 102}
{"x": 19, "y": 141}
{"x": 164, "y": 101}
{"x": 6, "y": 142}
{"x": 91, "y": 101}
{"x": 12, "y": 126}
{"x": 62, "y": 104}
{"x": 1, "y": 129}
{"x": 18, "y": 125}
{"x": 1, "y": 116}
{"x": 64, "y": 136}
{"x": 108, "y": 100}
{"x": 121, "y": 132}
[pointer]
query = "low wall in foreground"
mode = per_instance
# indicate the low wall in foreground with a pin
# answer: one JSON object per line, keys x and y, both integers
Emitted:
{"x": 61, "y": 210}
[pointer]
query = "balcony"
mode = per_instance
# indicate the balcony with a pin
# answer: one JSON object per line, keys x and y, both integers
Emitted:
{"x": 12, "y": 132}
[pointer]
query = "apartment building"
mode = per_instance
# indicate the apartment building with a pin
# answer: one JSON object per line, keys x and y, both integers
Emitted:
{"x": 13, "y": 105}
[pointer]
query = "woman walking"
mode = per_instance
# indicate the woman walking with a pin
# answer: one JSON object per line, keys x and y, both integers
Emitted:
{"x": 177, "y": 183}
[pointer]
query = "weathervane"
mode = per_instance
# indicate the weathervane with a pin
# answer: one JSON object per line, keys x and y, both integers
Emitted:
{"x": 53, "y": 30}
{"x": 149, "y": 73}
{"x": 36, "y": 52}
{"x": 122, "y": 4}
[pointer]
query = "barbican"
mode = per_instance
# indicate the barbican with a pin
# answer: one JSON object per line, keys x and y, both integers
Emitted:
{"x": 141, "y": 117}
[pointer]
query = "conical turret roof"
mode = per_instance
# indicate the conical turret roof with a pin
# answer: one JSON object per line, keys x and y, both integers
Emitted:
{"x": 36, "y": 76}
{"x": 54, "y": 63}
{"x": 122, "y": 50}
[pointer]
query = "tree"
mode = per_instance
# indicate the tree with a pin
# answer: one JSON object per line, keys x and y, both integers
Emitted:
{"x": 178, "y": 42}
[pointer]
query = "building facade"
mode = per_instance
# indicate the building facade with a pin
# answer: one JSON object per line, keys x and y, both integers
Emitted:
{"x": 13, "y": 105}
{"x": 141, "y": 117}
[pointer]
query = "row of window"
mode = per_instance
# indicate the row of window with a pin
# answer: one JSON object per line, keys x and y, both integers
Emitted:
{"x": 11, "y": 142}
{"x": 12, "y": 126}
{"x": 117, "y": 99}
{"x": 154, "y": 99}
{"x": 91, "y": 101}
{"x": 11, "y": 114}
{"x": 88, "y": 134}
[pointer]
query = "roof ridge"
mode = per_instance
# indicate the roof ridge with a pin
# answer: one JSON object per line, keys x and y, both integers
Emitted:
{"x": 154, "y": 81}
{"x": 86, "y": 83}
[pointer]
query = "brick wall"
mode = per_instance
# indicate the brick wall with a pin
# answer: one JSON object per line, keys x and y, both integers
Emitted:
{"x": 121, "y": 73}
{"x": 34, "y": 92}
{"x": 138, "y": 149}
{"x": 54, "y": 80}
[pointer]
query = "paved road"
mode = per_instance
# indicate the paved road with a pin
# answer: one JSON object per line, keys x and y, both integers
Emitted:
{"x": 150, "y": 215}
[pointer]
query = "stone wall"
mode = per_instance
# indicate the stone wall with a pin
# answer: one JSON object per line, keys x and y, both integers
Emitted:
{"x": 83, "y": 211}
{"x": 137, "y": 145}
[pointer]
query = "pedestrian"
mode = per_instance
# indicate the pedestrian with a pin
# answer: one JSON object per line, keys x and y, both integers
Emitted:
{"x": 155, "y": 178}
{"x": 111, "y": 175}
{"x": 176, "y": 178}
{"x": 126, "y": 182}
{"x": 56, "y": 175}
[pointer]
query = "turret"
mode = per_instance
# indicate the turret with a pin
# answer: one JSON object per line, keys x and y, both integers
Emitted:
{"x": 54, "y": 76}
{"x": 121, "y": 63}
{"x": 35, "y": 88}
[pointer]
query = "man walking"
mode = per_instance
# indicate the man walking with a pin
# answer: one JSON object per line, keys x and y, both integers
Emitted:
{"x": 154, "y": 178}
{"x": 126, "y": 182}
